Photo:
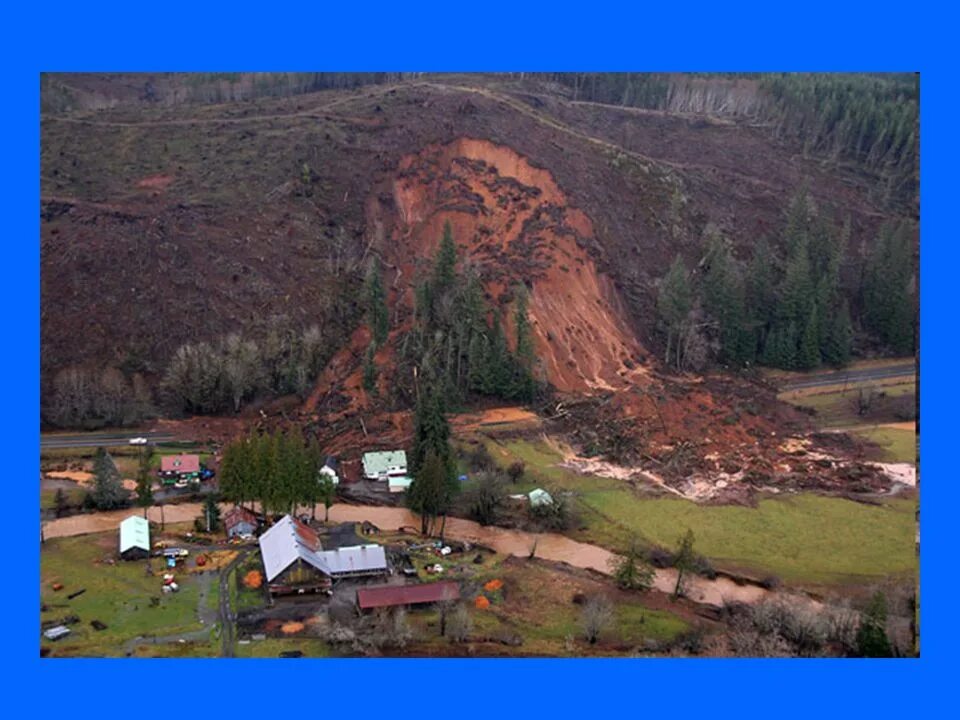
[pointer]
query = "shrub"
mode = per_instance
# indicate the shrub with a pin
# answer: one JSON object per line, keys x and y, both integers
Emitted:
{"x": 516, "y": 470}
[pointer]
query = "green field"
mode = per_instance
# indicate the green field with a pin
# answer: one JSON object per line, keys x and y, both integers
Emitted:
{"x": 837, "y": 406}
{"x": 272, "y": 647}
{"x": 898, "y": 445}
{"x": 803, "y": 538}
{"x": 118, "y": 595}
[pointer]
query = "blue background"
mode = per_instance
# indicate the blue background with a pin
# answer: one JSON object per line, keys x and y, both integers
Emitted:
{"x": 488, "y": 36}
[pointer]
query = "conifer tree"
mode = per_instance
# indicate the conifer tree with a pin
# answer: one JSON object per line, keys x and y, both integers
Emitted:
{"x": 108, "y": 492}
{"x": 378, "y": 316}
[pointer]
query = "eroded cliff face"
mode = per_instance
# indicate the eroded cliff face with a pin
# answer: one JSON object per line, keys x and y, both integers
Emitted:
{"x": 515, "y": 225}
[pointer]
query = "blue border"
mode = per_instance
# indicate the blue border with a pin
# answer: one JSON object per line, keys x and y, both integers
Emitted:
{"x": 491, "y": 36}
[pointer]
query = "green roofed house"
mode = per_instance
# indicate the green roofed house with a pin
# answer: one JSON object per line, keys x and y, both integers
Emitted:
{"x": 389, "y": 466}
{"x": 134, "y": 538}
{"x": 539, "y": 497}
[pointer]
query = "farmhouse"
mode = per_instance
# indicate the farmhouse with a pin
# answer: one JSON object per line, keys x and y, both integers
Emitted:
{"x": 295, "y": 562}
{"x": 390, "y": 466}
{"x": 239, "y": 521}
{"x": 393, "y": 596}
{"x": 134, "y": 538}
{"x": 179, "y": 468}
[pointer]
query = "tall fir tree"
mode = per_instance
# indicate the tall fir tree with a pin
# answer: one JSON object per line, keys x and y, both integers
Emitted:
{"x": 378, "y": 316}
{"x": 108, "y": 492}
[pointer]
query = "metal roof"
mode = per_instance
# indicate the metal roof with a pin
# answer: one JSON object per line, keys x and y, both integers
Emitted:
{"x": 285, "y": 542}
{"x": 391, "y": 595}
{"x": 180, "y": 463}
{"x": 380, "y": 463}
{"x": 290, "y": 539}
{"x": 134, "y": 533}
{"x": 358, "y": 558}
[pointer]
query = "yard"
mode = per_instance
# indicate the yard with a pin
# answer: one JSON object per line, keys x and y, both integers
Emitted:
{"x": 537, "y": 612}
{"x": 805, "y": 538}
{"x": 120, "y": 595}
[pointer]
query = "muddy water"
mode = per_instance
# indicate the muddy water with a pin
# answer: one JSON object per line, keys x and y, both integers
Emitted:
{"x": 549, "y": 546}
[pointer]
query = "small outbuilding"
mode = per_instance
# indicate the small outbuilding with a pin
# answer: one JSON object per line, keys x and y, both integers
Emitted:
{"x": 329, "y": 470}
{"x": 240, "y": 521}
{"x": 134, "y": 538}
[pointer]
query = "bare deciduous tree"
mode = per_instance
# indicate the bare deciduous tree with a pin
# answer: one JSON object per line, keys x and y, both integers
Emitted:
{"x": 597, "y": 615}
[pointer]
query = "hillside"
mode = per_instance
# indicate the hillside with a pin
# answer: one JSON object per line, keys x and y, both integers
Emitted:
{"x": 171, "y": 223}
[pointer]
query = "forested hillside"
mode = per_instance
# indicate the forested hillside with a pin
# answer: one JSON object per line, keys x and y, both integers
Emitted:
{"x": 212, "y": 241}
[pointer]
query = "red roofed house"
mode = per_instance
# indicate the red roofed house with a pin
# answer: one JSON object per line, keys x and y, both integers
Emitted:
{"x": 394, "y": 595}
{"x": 179, "y": 468}
{"x": 239, "y": 521}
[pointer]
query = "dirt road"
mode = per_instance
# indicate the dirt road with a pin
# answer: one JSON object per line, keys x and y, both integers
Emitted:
{"x": 549, "y": 546}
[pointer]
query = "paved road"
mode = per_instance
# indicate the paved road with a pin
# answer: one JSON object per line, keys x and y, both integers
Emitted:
{"x": 108, "y": 439}
{"x": 844, "y": 376}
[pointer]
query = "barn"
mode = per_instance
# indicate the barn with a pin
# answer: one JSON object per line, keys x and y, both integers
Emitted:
{"x": 134, "y": 538}
{"x": 295, "y": 562}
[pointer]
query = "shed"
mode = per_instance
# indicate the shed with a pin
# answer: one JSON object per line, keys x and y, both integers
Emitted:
{"x": 383, "y": 465}
{"x": 393, "y": 595}
{"x": 134, "y": 538}
{"x": 399, "y": 483}
{"x": 539, "y": 497}
{"x": 240, "y": 521}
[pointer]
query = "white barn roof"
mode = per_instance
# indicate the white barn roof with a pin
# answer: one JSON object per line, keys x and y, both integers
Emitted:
{"x": 290, "y": 540}
{"x": 358, "y": 558}
{"x": 284, "y": 543}
{"x": 134, "y": 533}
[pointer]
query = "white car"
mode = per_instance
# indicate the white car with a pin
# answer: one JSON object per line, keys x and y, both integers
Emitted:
{"x": 138, "y": 441}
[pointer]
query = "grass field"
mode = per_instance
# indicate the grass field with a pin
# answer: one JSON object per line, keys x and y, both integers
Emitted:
{"x": 837, "y": 405}
{"x": 803, "y": 538}
{"x": 272, "y": 647}
{"x": 898, "y": 444}
{"x": 536, "y": 605}
{"x": 118, "y": 595}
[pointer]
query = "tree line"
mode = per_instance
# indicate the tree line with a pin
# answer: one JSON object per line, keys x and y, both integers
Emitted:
{"x": 787, "y": 307}
{"x": 869, "y": 118}
{"x": 278, "y": 471}
{"x": 209, "y": 378}
{"x": 82, "y": 397}
{"x": 457, "y": 342}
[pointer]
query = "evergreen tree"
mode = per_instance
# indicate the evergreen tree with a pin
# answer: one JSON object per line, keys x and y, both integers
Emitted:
{"x": 431, "y": 432}
{"x": 674, "y": 302}
{"x": 426, "y": 494}
{"x": 369, "y": 371}
{"x": 378, "y": 316}
{"x": 445, "y": 263}
{"x": 760, "y": 294}
{"x": 872, "y": 641}
{"x": 683, "y": 560}
{"x": 327, "y": 494}
{"x": 723, "y": 299}
{"x": 144, "y": 481}
{"x": 888, "y": 294}
{"x": 808, "y": 352}
{"x": 837, "y": 347}
{"x": 108, "y": 492}
{"x": 210, "y": 517}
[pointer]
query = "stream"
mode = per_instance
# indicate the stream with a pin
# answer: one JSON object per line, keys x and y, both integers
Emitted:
{"x": 549, "y": 546}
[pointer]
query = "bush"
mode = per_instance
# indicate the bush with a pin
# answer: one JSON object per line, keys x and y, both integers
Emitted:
{"x": 660, "y": 557}
{"x": 516, "y": 470}
{"x": 770, "y": 582}
{"x": 479, "y": 459}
